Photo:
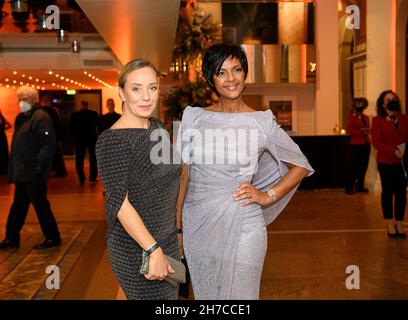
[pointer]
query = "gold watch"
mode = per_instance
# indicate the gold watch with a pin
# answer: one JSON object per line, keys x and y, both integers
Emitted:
{"x": 272, "y": 193}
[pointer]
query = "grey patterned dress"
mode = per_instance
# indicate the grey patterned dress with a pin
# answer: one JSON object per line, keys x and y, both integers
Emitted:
{"x": 225, "y": 244}
{"x": 125, "y": 166}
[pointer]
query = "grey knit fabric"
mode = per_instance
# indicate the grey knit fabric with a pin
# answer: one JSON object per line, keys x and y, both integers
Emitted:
{"x": 123, "y": 157}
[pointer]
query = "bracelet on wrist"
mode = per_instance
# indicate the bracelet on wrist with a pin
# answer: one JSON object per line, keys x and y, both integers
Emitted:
{"x": 152, "y": 248}
{"x": 272, "y": 194}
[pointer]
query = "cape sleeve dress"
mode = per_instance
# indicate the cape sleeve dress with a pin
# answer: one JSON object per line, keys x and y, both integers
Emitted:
{"x": 225, "y": 243}
{"x": 125, "y": 167}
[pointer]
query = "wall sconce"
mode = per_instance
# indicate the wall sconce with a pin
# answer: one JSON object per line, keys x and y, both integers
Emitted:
{"x": 61, "y": 36}
{"x": 75, "y": 46}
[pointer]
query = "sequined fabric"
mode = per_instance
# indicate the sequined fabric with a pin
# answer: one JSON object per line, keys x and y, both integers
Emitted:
{"x": 225, "y": 243}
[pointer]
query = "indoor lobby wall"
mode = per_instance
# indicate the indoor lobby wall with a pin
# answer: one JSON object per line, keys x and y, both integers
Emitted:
{"x": 303, "y": 102}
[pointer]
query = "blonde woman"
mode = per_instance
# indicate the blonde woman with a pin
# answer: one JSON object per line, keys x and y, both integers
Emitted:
{"x": 140, "y": 195}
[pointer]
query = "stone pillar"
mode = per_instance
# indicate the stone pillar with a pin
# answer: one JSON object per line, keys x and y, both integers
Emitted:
{"x": 327, "y": 81}
{"x": 381, "y": 63}
{"x": 381, "y": 49}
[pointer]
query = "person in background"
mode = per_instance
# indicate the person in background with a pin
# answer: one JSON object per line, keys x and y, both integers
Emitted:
{"x": 108, "y": 119}
{"x": 58, "y": 163}
{"x": 32, "y": 150}
{"x": 83, "y": 129}
{"x": 389, "y": 133}
{"x": 4, "y": 151}
{"x": 359, "y": 147}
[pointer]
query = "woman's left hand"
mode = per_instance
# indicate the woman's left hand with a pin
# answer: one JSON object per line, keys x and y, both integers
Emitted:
{"x": 248, "y": 191}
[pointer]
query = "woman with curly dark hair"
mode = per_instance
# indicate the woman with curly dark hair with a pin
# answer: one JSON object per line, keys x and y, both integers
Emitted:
{"x": 390, "y": 134}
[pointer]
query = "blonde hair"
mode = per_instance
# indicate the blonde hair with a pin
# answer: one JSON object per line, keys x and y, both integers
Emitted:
{"x": 132, "y": 66}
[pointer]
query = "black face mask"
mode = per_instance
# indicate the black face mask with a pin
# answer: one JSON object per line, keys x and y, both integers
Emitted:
{"x": 392, "y": 105}
{"x": 360, "y": 109}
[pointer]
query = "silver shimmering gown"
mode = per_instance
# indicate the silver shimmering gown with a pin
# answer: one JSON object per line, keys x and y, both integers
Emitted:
{"x": 225, "y": 244}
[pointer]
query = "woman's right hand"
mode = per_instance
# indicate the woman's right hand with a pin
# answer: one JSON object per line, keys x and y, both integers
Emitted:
{"x": 159, "y": 267}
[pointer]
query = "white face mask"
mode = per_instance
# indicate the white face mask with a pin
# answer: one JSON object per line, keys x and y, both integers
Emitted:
{"x": 24, "y": 106}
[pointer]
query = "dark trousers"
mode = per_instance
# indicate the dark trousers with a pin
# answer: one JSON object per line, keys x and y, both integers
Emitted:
{"x": 24, "y": 194}
{"x": 358, "y": 157}
{"x": 394, "y": 185}
{"x": 80, "y": 150}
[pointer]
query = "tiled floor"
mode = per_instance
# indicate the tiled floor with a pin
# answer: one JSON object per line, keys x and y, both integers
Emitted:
{"x": 310, "y": 246}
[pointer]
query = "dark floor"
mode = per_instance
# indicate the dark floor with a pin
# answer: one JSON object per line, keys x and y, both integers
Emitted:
{"x": 311, "y": 244}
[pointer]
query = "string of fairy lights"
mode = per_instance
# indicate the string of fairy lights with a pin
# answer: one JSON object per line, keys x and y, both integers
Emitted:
{"x": 55, "y": 80}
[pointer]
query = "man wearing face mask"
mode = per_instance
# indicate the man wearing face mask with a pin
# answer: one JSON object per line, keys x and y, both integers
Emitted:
{"x": 390, "y": 134}
{"x": 32, "y": 150}
{"x": 359, "y": 147}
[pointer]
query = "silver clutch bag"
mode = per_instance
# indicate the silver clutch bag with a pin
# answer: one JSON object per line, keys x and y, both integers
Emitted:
{"x": 179, "y": 275}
